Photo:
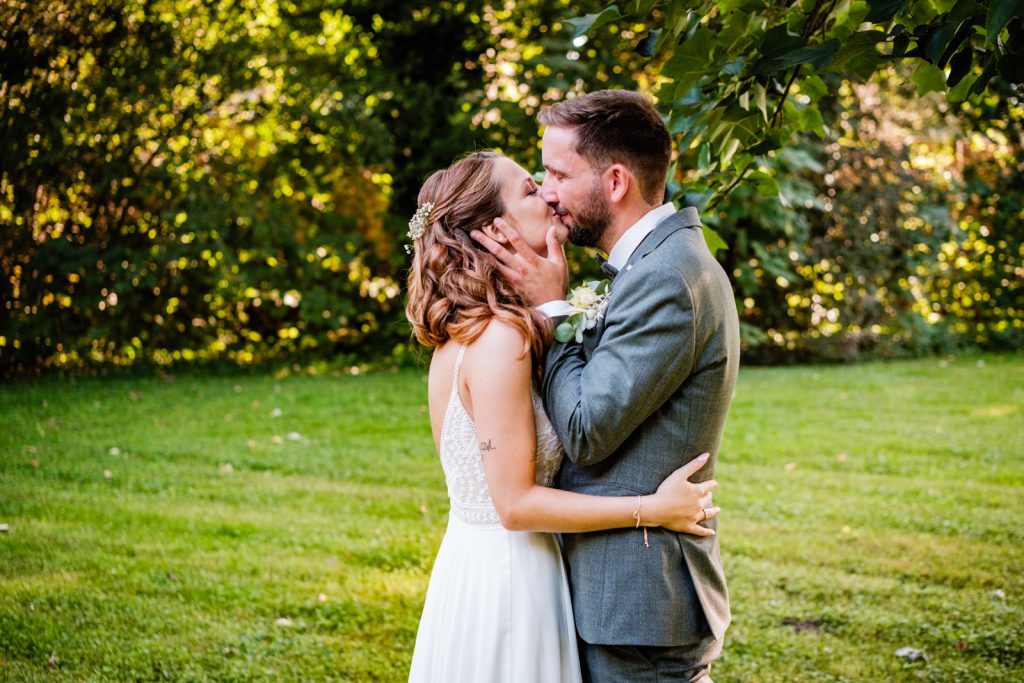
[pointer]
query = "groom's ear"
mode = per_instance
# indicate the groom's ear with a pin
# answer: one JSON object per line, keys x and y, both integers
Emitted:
{"x": 617, "y": 180}
{"x": 492, "y": 231}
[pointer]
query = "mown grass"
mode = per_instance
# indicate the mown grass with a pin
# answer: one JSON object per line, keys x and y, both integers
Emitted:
{"x": 182, "y": 529}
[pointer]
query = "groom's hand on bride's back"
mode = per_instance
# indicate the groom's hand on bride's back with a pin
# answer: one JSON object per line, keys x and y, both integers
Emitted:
{"x": 538, "y": 279}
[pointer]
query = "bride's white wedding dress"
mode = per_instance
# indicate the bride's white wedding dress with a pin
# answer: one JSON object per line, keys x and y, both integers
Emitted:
{"x": 497, "y": 607}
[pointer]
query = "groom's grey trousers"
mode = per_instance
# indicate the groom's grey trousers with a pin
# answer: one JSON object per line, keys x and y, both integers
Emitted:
{"x": 643, "y": 664}
{"x": 647, "y": 391}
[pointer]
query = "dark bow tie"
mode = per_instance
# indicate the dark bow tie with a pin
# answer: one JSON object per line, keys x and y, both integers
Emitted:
{"x": 606, "y": 268}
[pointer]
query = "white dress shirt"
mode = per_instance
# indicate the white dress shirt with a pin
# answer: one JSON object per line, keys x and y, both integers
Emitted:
{"x": 620, "y": 252}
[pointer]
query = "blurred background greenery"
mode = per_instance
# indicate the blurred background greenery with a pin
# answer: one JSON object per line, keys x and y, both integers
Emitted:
{"x": 227, "y": 183}
{"x": 218, "y": 185}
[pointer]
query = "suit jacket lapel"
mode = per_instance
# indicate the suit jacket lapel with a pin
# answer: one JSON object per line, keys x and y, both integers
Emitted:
{"x": 684, "y": 218}
{"x": 687, "y": 217}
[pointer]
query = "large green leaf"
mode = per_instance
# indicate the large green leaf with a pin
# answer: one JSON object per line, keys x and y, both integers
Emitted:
{"x": 690, "y": 62}
{"x": 728, "y": 148}
{"x": 736, "y": 123}
{"x": 778, "y": 41}
{"x": 590, "y": 22}
{"x": 1011, "y": 68}
{"x": 1015, "y": 38}
{"x": 813, "y": 87}
{"x": 987, "y": 72}
{"x": 704, "y": 156}
{"x": 882, "y": 11}
{"x": 946, "y": 36}
{"x": 761, "y": 99}
{"x": 959, "y": 65}
{"x": 767, "y": 185}
{"x": 929, "y": 78}
{"x": 963, "y": 33}
{"x": 999, "y": 14}
{"x": 714, "y": 240}
{"x": 735, "y": 31}
{"x": 673, "y": 24}
{"x": 959, "y": 92}
{"x": 682, "y": 123}
{"x": 900, "y": 41}
{"x": 811, "y": 120}
{"x": 817, "y": 56}
{"x": 773, "y": 140}
{"x": 775, "y": 46}
{"x": 859, "y": 52}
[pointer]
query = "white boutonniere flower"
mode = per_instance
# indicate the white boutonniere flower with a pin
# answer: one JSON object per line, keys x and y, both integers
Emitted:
{"x": 588, "y": 302}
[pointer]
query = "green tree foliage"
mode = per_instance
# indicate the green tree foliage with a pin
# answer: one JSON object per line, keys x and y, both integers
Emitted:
{"x": 902, "y": 233}
{"x": 741, "y": 78}
{"x": 186, "y": 181}
{"x": 231, "y": 180}
{"x": 863, "y": 211}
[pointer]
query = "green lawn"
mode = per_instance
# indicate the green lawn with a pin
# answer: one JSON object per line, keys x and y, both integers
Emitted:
{"x": 247, "y": 528}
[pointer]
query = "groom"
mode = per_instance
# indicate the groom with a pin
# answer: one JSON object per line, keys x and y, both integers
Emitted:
{"x": 646, "y": 391}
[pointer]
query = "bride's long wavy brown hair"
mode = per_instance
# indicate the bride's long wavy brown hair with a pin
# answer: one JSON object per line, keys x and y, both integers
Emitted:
{"x": 455, "y": 287}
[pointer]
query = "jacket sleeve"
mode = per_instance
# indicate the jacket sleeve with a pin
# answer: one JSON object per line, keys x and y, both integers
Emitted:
{"x": 644, "y": 355}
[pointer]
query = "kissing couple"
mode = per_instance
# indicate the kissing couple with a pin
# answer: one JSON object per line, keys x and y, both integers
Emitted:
{"x": 601, "y": 448}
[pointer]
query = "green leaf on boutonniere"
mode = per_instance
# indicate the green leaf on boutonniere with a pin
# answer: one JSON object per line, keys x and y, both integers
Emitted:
{"x": 564, "y": 332}
{"x": 587, "y": 302}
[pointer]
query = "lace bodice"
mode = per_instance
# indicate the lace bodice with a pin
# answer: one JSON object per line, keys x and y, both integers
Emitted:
{"x": 463, "y": 464}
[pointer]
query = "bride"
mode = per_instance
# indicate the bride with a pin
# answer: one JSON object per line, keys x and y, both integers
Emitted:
{"x": 497, "y": 607}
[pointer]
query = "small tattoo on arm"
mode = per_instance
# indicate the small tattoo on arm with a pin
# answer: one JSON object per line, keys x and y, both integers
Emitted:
{"x": 486, "y": 446}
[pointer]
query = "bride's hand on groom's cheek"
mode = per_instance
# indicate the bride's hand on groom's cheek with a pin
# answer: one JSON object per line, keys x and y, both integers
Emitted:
{"x": 537, "y": 278}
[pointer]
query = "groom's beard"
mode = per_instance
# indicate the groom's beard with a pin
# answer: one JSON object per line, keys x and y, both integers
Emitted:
{"x": 591, "y": 220}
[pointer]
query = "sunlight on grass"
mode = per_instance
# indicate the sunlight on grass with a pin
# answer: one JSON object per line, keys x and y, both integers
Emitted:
{"x": 865, "y": 508}
{"x": 997, "y": 410}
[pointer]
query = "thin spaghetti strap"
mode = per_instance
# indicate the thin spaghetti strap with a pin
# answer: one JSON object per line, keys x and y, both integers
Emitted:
{"x": 458, "y": 366}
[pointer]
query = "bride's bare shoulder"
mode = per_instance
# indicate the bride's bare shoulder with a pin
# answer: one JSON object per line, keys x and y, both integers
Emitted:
{"x": 503, "y": 341}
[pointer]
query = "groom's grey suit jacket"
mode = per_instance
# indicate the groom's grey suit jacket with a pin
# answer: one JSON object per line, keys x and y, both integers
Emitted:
{"x": 647, "y": 391}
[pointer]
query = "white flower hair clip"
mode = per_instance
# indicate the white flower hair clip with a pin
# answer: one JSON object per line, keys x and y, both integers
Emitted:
{"x": 418, "y": 223}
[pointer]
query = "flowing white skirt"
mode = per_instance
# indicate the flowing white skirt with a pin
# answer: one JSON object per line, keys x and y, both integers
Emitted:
{"x": 497, "y": 609}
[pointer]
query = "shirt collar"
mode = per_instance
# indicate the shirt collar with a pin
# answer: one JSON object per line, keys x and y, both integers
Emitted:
{"x": 632, "y": 238}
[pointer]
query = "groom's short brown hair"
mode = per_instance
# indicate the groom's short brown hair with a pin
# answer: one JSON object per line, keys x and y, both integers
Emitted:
{"x": 618, "y": 126}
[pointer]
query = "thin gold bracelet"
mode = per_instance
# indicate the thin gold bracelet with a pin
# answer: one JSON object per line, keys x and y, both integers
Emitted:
{"x": 636, "y": 516}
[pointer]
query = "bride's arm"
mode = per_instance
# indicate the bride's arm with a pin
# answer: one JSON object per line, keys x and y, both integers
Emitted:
{"x": 498, "y": 375}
